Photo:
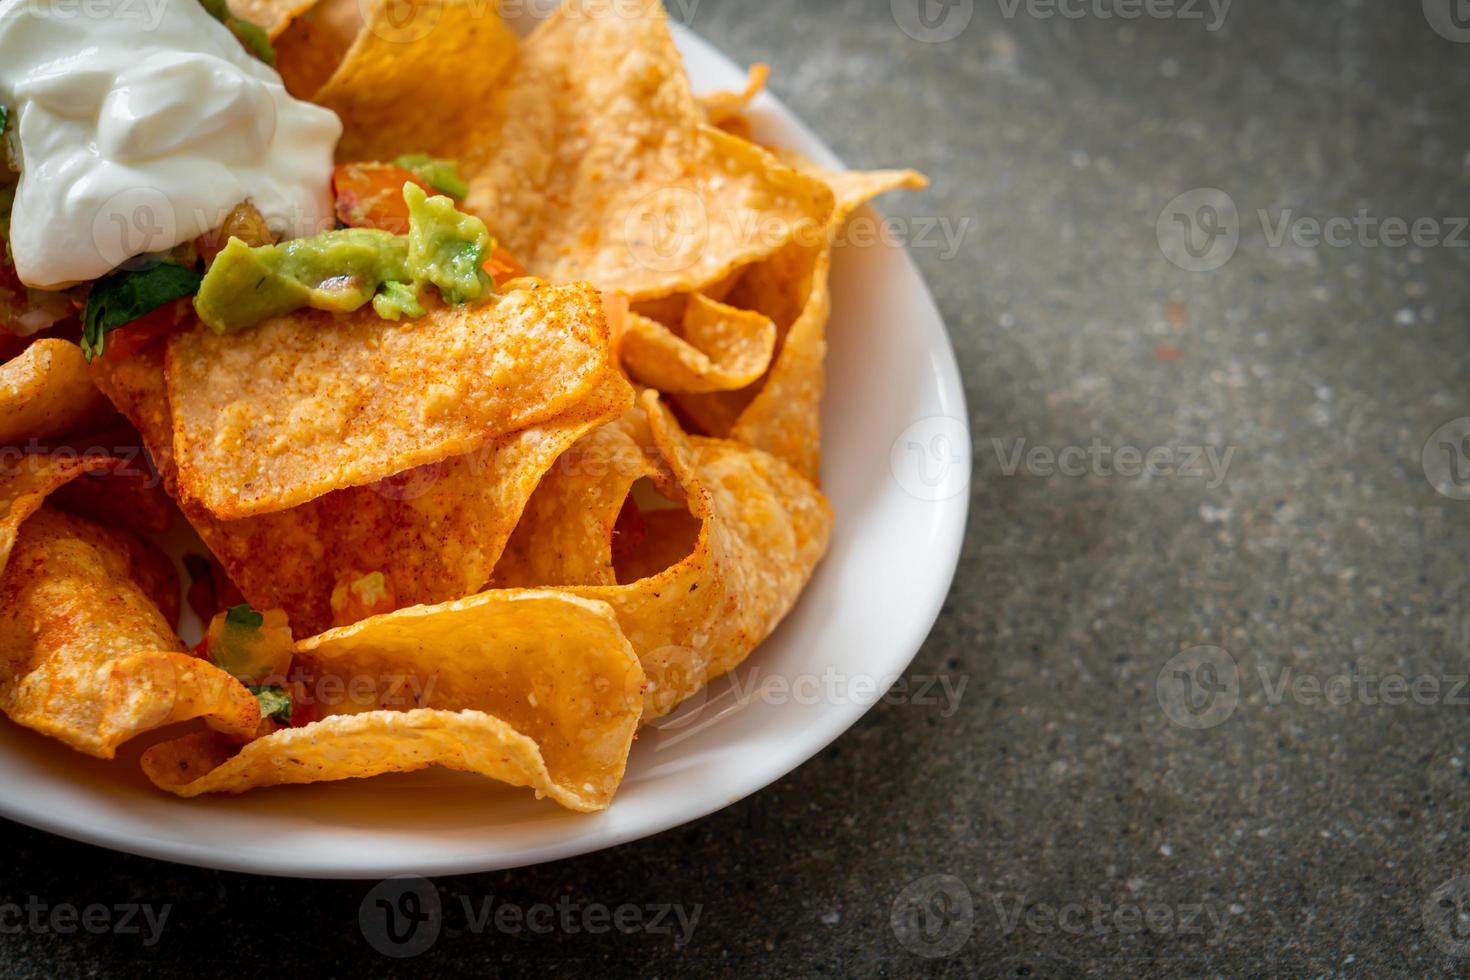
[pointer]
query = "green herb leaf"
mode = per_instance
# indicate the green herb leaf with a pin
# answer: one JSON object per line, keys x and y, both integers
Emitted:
{"x": 442, "y": 175}
{"x": 4, "y": 119}
{"x": 253, "y": 37}
{"x": 243, "y": 615}
{"x": 275, "y": 703}
{"x": 122, "y": 297}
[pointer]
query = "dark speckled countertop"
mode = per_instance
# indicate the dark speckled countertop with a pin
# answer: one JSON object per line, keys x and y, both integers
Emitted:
{"x": 1214, "y": 718}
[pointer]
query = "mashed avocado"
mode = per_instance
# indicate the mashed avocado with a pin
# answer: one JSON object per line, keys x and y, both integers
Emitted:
{"x": 345, "y": 269}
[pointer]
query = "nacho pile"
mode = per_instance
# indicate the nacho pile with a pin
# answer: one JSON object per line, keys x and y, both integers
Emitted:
{"x": 495, "y": 534}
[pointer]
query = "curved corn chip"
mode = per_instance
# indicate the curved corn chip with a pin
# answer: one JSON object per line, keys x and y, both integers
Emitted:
{"x": 26, "y": 482}
{"x": 86, "y": 657}
{"x": 763, "y": 530}
{"x": 304, "y": 404}
{"x": 435, "y": 532}
{"x": 421, "y": 77}
{"x": 536, "y": 689}
{"x": 359, "y": 747}
{"x": 45, "y": 392}
{"x": 720, "y": 107}
{"x": 719, "y": 348}
{"x": 565, "y": 533}
{"x": 782, "y": 413}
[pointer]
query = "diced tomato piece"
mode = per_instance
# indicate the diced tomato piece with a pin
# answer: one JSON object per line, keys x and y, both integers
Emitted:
{"x": 127, "y": 340}
{"x": 502, "y": 266}
{"x": 358, "y": 596}
{"x": 370, "y": 195}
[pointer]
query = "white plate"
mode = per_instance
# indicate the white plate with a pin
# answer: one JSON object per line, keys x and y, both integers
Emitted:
{"x": 897, "y": 469}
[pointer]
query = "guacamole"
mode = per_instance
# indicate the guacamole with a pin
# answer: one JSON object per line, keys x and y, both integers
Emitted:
{"x": 343, "y": 270}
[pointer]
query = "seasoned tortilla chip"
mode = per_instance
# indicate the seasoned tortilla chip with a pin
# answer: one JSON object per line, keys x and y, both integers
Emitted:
{"x": 720, "y": 107}
{"x": 585, "y": 151}
{"x": 536, "y": 689}
{"x": 782, "y": 412}
{"x": 85, "y": 655}
{"x": 45, "y": 392}
{"x": 422, "y": 77}
{"x": 565, "y": 534}
{"x": 717, "y": 348}
{"x": 764, "y": 528}
{"x": 308, "y": 403}
{"x": 435, "y": 532}
{"x": 359, "y": 747}
{"x": 309, "y": 50}
{"x": 27, "y": 480}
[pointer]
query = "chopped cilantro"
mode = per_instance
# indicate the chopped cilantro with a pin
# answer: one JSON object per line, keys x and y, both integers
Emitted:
{"x": 255, "y": 40}
{"x": 122, "y": 297}
{"x": 4, "y": 119}
{"x": 243, "y": 615}
{"x": 275, "y": 703}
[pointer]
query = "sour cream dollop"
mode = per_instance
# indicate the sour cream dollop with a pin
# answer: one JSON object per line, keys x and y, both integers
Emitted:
{"x": 141, "y": 125}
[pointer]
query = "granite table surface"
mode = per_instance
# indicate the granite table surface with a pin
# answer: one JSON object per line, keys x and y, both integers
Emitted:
{"x": 1208, "y": 640}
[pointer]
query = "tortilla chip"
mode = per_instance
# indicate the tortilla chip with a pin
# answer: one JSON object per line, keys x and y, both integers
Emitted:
{"x": 720, "y": 107}
{"x": 535, "y": 689}
{"x": 27, "y": 480}
{"x": 422, "y": 77}
{"x": 45, "y": 392}
{"x": 85, "y": 655}
{"x": 305, "y": 404}
{"x": 311, "y": 47}
{"x": 763, "y": 530}
{"x": 718, "y": 348}
{"x": 585, "y": 151}
{"x": 565, "y": 533}
{"x": 435, "y": 532}
{"x": 126, "y": 495}
{"x": 781, "y": 413}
